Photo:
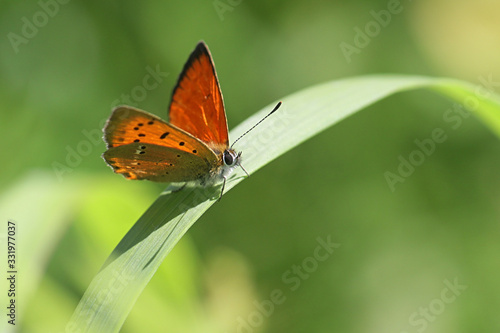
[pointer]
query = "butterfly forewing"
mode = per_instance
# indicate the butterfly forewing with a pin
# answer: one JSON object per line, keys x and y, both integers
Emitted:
{"x": 197, "y": 106}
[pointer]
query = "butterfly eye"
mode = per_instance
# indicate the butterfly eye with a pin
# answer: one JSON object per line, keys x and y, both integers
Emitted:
{"x": 229, "y": 158}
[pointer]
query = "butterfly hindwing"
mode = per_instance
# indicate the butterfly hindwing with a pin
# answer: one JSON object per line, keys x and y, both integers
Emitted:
{"x": 197, "y": 106}
{"x": 156, "y": 163}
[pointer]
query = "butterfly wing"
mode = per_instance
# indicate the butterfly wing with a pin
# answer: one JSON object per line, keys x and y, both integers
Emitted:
{"x": 156, "y": 163}
{"x": 197, "y": 106}
{"x": 166, "y": 148}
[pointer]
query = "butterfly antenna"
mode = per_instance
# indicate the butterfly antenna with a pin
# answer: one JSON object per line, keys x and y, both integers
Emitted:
{"x": 251, "y": 128}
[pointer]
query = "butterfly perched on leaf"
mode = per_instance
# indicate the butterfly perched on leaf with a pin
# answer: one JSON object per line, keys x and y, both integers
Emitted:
{"x": 192, "y": 146}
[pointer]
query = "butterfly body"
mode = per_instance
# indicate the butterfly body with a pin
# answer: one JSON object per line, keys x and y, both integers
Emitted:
{"x": 192, "y": 147}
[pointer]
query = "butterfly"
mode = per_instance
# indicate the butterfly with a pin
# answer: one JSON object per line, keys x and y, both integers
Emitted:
{"x": 192, "y": 146}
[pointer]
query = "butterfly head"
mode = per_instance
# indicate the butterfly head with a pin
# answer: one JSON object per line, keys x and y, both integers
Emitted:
{"x": 231, "y": 159}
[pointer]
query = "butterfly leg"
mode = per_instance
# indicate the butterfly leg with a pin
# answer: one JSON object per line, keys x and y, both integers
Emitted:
{"x": 222, "y": 189}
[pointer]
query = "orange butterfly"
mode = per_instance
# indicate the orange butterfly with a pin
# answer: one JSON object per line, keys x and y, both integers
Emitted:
{"x": 194, "y": 146}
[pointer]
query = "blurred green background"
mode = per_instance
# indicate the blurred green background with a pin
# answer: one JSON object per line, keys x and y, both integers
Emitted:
{"x": 399, "y": 250}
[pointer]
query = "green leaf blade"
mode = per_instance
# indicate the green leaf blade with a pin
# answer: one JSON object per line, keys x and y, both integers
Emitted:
{"x": 113, "y": 292}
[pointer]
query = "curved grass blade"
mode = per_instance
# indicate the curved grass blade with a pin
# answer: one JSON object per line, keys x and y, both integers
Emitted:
{"x": 113, "y": 292}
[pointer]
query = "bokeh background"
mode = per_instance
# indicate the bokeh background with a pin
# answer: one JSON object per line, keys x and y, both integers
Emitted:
{"x": 399, "y": 252}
